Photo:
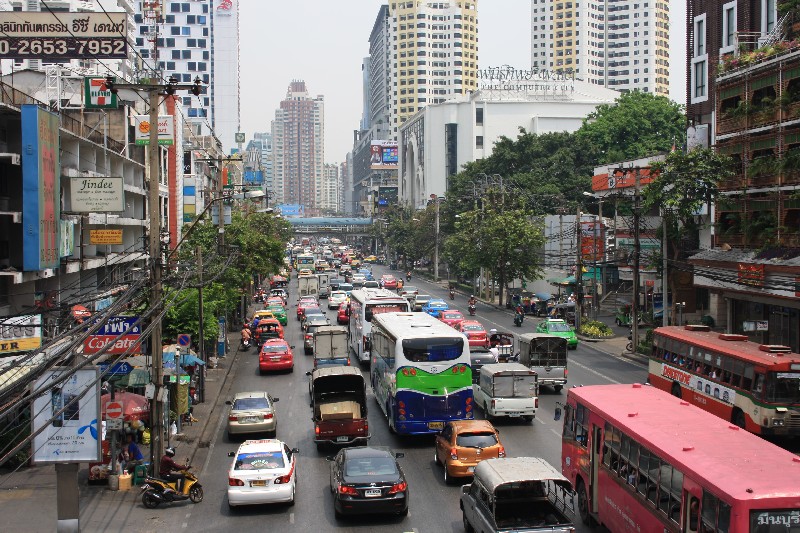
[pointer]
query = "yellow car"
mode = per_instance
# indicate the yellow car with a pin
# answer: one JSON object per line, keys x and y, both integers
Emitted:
{"x": 305, "y": 272}
{"x": 370, "y": 259}
{"x": 355, "y": 263}
{"x": 264, "y": 313}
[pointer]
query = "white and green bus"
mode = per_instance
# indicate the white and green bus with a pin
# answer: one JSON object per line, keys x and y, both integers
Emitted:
{"x": 420, "y": 372}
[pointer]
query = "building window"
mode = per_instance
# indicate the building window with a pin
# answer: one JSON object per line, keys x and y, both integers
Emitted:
{"x": 699, "y": 63}
{"x": 479, "y": 116}
{"x": 769, "y": 13}
{"x": 700, "y": 35}
{"x": 479, "y": 142}
{"x": 728, "y": 28}
{"x": 699, "y": 79}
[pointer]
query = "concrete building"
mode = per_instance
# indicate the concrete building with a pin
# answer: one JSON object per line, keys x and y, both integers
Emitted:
{"x": 434, "y": 54}
{"x": 576, "y": 35}
{"x": 437, "y": 141}
{"x": 331, "y": 181}
{"x": 744, "y": 99}
{"x": 298, "y": 133}
{"x": 198, "y": 39}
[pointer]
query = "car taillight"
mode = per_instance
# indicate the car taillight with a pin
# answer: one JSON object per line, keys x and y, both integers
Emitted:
{"x": 350, "y": 491}
{"x": 316, "y": 430}
{"x": 398, "y": 487}
{"x": 268, "y": 416}
{"x": 282, "y": 480}
{"x": 233, "y": 418}
{"x": 494, "y": 403}
{"x": 309, "y": 337}
{"x": 233, "y": 482}
{"x": 453, "y": 453}
{"x": 536, "y": 403}
{"x": 501, "y": 452}
{"x": 566, "y": 372}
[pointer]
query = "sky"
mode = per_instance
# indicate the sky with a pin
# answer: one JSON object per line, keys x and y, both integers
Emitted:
{"x": 324, "y": 42}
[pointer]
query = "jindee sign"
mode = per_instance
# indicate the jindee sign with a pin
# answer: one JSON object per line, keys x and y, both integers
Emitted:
{"x": 97, "y": 195}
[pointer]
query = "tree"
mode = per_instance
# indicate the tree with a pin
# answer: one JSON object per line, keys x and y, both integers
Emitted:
{"x": 504, "y": 241}
{"x": 636, "y": 125}
{"x": 683, "y": 183}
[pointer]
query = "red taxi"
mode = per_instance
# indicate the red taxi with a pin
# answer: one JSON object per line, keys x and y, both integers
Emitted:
{"x": 475, "y": 332}
{"x": 275, "y": 354}
{"x": 306, "y": 301}
{"x": 268, "y": 328}
{"x": 388, "y": 282}
{"x": 343, "y": 316}
{"x": 451, "y": 318}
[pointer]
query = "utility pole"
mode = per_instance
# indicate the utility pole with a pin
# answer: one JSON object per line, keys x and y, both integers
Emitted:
{"x": 595, "y": 230}
{"x": 636, "y": 254}
{"x": 220, "y": 210}
{"x": 664, "y": 285}
{"x": 436, "y": 241}
{"x": 578, "y": 271}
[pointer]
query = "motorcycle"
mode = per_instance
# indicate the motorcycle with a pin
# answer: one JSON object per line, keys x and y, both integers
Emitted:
{"x": 452, "y": 294}
{"x": 156, "y": 491}
{"x": 518, "y": 319}
{"x": 408, "y": 276}
{"x": 471, "y": 309}
{"x": 245, "y": 345}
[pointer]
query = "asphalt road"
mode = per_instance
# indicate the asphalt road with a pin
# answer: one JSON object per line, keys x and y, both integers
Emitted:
{"x": 433, "y": 505}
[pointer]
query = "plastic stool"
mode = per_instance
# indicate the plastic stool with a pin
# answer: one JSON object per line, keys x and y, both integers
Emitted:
{"x": 139, "y": 473}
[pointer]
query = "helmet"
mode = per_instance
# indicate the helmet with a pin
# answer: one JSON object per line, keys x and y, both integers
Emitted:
{"x": 472, "y": 296}
{"x": 492, "y": 331}
{"x": 169, "y": 452}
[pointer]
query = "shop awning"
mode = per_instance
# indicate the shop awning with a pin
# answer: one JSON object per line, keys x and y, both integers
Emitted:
{"x": 543, "y": 295}
{"x": 186, "y": 359}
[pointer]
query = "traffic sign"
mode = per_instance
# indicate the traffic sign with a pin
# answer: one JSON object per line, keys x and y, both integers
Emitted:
{"x": 116, "y": 368}
{"x": 184, "y": 339}
{"x": 114, "y": 424}
{"x": 114, "y": 409}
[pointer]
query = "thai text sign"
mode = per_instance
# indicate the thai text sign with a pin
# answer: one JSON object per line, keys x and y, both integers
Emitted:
{"x": 113, "y": 327}
{"x": 105, "y": 236}
{"x": 62, "y": 35}
{"x": 67, "y": 410}
{"x": 166, "y": 129}
{"x": 96, "y": 95}
{"x": 545, "y": 82}
{"x": 750, "y": 274}
{"x": 20, "y": 333}
{"x": 41, "y": 189}
{"x": 97, "y": 195}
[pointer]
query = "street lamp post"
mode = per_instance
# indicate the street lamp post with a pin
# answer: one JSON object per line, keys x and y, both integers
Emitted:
{"x": 436, "y": 199}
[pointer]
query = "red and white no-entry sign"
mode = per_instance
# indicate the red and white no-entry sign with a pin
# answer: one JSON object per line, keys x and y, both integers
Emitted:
{"x": 114, "y": 410}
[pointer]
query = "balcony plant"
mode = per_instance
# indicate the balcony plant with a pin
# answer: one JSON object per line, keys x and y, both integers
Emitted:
{"x": 762, "y": 166}
{"x": 746, "y": 58}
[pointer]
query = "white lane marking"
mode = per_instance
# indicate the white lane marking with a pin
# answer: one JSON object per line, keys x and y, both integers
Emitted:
{"x": 540, "y": 421}
{"x": 556, "y": 433}
{"x": 213, "y": 441}
{"x": 595, "y": 372}
{"x": 185, "y": 525}
{"x": 291, "y": 518}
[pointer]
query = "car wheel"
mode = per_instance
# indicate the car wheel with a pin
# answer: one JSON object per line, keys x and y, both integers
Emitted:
{"x": 528, "y": 419}
{"x": 558, "y": 388}
{"x": 320, "y": 447}
{"x": 447, "y": 478}
{"x": 583, "y": 505}
{"x": 436, "y": 455}
{"x": 467, "y": 526}
{"x": 291, "y": 502}
{"x": 404, "y": 512}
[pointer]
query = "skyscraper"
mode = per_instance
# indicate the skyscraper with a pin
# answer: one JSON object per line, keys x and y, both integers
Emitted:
{"x": 574, "y": 35}
{"x": 434, "y": 54}
{"x": 330, "y": 188}
{"x": 198, "y": 39}
{"x": 298, "y": 150}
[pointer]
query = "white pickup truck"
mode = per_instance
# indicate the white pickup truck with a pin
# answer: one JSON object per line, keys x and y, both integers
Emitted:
{"x": 507, "y": 389}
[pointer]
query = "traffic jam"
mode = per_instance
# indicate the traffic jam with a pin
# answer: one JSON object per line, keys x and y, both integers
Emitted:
{"x": 433, "y": 370}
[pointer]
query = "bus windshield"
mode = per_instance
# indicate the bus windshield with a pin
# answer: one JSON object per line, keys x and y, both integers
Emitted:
{"x": 783, "y": 387}
{"x": 433, "y": 350}
{"x": 376, "y": 309}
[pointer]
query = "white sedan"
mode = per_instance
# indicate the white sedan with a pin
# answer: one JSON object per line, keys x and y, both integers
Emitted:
{"x": 263, "y": 471}
{"x": 336, "y": 299}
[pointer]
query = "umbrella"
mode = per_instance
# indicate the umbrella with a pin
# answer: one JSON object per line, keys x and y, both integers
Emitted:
{"x": 134, "y": 406}
{"x": 544, "y": 296}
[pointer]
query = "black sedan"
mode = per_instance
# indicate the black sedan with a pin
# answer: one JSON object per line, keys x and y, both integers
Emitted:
{"x": 368, "y": 480}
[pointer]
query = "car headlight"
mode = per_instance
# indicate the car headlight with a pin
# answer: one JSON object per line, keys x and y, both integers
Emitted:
{"x": 778, "y": 421}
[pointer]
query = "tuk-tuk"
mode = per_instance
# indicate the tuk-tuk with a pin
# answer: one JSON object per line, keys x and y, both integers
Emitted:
{"x": 547, "y": 356}
{"x": 278, "y": 282}
{"x": 622, "y": 316}
{"x": 268, "y": 329}
{"x": 564, "y": 311}
{"x": 504, "y": 342}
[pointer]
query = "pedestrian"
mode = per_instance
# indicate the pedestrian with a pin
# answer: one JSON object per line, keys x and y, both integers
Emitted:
{"x": 135, "y": 456}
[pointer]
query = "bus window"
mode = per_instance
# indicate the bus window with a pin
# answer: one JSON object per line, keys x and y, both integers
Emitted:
{"x": 432, "y": 351}
{"x": 644, "y": 456}
{"x": 694, "y": 514}
{"x": 581, "y": 425}
{"x": 709, "y": 514}
{"x": 569, "y": 420}
{"x": 758, "y": 385}
{"x": 631, "y": 476}
{"x": 665, "y": 484}
{"x": 724, "y": 517}
{"x": 747, "y": 378}
{"x": 624, "y": 455}
{"x": 653, "y": 470}
{"x": 675, "y": 496}
{"x": 783, "y": 387}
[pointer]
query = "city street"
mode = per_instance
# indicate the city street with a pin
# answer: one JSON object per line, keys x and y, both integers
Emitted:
{"x": 434, "y": 506}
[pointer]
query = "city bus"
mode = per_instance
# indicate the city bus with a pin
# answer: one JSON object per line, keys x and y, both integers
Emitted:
{"x": 420, "y": 372}
{"x": 364, "y": 304}
{"x": 642, "y": 460}
{"x": 305, "y": 261}
{"x": 755, "y": 386}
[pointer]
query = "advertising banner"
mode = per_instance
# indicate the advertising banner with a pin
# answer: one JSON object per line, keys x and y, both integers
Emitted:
{"x": 383, "y": 155}
{"x": 292, "y": 210}
{"x": 386, "y": 196}
{"x": 166, "y": 129}
{"x": 67, "y": 241}
{"x": 41, "y": 189}
{"x": 20, "y": 333}
{"x": 97, "y": 195}
{"x": 253, "y": 177}
{"x": 113, "y": 327}
{"x": 592, "y": 241}
{"x": 105, "y": 236}
{"x": 63, "y": 35}
{"x": 69, "y": 412}
{"x": 96, "y": 95}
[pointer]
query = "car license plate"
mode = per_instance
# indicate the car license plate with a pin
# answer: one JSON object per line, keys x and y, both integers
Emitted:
{"x": 275, "y": 358}
{"x": 372, "y": 493}
{"x": 342, "y": 439}
{"x": 435, "y": 425}
{"x": 250, "y": 419}
{"x": 513, "y": 414}
{"x": 258, "y": 483}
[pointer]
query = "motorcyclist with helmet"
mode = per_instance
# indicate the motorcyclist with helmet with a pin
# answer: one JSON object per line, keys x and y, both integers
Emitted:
{"x": 168, "y": 465}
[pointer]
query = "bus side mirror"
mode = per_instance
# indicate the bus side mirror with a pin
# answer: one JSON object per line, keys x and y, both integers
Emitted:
{"x": 557, "y": 414}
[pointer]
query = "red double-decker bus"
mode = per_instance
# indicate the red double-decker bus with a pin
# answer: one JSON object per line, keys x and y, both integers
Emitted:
{"x": 755, "y": 386}
{"x": 643, "y": 461}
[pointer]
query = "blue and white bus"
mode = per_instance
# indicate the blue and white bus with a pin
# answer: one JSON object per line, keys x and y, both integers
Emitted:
{"x": 420, "y": 372}
{"x": 365, "y": 304}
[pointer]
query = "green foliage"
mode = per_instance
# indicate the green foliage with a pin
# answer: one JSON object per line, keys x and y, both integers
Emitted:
{"x": 595, "y": 328}
{"x": 636, "y": 125}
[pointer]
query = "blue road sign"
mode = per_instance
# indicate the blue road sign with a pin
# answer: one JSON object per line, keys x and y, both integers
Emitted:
{"x": 184, "y": 339}
{"x": 116, "y": 368}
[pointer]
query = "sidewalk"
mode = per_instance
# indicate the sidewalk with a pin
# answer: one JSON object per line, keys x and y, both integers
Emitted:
{"x": 28, "y": 496}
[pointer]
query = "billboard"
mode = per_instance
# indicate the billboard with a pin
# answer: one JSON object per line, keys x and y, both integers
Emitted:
{"x": 386, "y": 196}
{"x": 592, "y": 241}
{"x": 292, "y": 210}
{"x": 41, "y": 189}
{"x": 20, "y": 333}
{"x": 253, "y": 177}
{"x": 383, "y": 155}
{"x": 105, "y": 236}
{"x": 68, "y": 411}
{"x": 97, "y": 195}
{"x": 113, "y": 327}
{"x": 166, "y": 129}
{"x": 96, "y": 95}
{"x": 63, "y": 35}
